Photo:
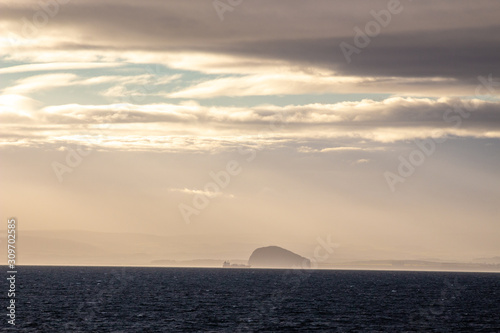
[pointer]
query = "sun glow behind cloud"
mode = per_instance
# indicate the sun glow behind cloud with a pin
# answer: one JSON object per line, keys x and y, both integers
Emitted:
{"x": 158, "y": 100}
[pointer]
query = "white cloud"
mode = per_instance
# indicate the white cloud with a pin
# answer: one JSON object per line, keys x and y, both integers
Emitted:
{"x": 57, "y": 66}
{"x": 288, "y": 82}
{"x": 307, "y": 128}
{"x": 141, "y": 84}
{"x": 340, "y": 149}
{"x": 208, "y": 194}
{"x": 41, "y": 82}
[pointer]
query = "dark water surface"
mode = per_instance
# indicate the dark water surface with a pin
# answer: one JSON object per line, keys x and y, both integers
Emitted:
{"x": 107, "y": 299}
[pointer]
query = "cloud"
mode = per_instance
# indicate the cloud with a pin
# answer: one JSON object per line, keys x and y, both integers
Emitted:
{"x": 340, "y": 149}
{"x": 122, "y": 86}
{"x": 40, "y": 83}
{"x": 306, "y": 128}
{"x": 291, "y": 83}
{"x": 428, "y": 39}
{"x": 16, "y": 108}
{"x": 208, "y": 194}
{"x": 254, "y": 52}
{"x": 56, "y": 66}
{"x": 392, "y": 112}
{"x": 118, "y": 113}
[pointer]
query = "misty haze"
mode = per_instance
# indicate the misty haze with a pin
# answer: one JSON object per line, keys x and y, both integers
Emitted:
{"x": 250, "y": 166}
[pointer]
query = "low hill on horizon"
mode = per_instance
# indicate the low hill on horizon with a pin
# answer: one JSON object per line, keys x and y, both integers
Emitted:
{"x": 275, "y": 256}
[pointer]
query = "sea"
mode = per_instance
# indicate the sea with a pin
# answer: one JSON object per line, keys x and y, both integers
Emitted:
{"x": 139, "y": 299}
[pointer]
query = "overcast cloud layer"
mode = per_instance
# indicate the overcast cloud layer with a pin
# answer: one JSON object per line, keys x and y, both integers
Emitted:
{"x": 186, "y": 88}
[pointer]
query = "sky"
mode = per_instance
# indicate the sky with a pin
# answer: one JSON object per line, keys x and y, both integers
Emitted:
{"x": 211, "y": 128}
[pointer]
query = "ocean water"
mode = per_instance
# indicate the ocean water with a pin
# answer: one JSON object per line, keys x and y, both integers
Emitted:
{"x": 110, "y": 299}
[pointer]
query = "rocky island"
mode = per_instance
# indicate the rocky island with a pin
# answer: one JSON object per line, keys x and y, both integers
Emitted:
{"x": 275, "y": 256}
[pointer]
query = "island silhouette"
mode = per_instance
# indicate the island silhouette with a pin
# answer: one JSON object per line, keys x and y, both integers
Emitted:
{"x": 275, "y": 256}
